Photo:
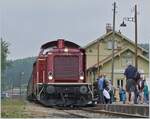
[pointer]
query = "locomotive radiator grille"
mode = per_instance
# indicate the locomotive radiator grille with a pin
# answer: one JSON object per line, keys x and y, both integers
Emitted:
{"x": 66, "y": 67}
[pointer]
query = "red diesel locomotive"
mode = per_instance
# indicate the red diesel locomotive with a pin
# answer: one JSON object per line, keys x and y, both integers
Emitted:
{"x": 59, "y": 77}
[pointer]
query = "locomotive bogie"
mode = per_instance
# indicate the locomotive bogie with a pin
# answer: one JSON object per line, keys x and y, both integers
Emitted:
{"x": 65, "y": 95}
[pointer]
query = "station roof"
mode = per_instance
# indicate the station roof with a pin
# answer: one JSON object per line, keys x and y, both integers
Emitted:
{"x": 116, "y": 33}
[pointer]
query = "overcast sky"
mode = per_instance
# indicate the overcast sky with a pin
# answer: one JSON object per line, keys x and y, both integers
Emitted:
{"x": 27, "y": 24}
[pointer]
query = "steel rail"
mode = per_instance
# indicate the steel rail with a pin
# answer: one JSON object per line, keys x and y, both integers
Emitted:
{"x": 93, "y": 110}
{"x": 114, "y": 113}
{"x": 76, "y": 115}
{"x": 64, "y": 109}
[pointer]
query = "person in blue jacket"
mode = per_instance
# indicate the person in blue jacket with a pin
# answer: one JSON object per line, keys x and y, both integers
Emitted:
{"x": 101, "y": 88}
{"x": 130, "y": 73}
{"x": 123, "y": 95}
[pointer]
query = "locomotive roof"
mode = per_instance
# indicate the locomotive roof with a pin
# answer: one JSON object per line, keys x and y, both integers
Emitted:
{"x": 54, "y": 43}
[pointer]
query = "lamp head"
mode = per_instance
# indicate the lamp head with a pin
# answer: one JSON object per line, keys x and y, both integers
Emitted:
{"x": 123, "y": 24}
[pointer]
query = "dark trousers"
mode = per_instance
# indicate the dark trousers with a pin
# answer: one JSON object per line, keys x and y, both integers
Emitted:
{"x": 101, "y": 97}
{"x": 107, "y": 101}
{"x": 136, "y": 93}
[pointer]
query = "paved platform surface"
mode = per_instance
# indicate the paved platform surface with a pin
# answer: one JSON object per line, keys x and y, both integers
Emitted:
{"x": 135, "y": 109}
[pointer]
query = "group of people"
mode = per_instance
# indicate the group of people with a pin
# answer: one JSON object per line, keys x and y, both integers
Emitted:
{"x": 136, "y": 88}
{"x": 105, "y": 90}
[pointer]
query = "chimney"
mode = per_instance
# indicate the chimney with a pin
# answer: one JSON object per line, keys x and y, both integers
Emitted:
{"x": 60, "y": 43}
{"x": 108, "y": 28}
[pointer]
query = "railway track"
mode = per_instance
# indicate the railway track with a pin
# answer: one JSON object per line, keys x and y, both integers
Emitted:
{"x": 77, "y": 112}
{"x": 116, "y": 114}
{"x": 37, "y": 110}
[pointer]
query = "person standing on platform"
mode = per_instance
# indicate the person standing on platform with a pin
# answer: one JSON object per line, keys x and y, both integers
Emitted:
{"x": 120, "y": 93}
{"x": 106, "y": 95}
{"x": 140, "y": 85}
{"x": 146, "y": 94}
{"x": 110, "y": 90}
{"x": 101, "y": 88}
{"x": 123, "y": 95}
{"x": 130, "y": 73}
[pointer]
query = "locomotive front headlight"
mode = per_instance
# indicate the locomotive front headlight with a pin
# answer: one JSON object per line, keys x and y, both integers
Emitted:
{"x": 50, "y": 76}
{"x": 66, "y": 50}
{"x": 81, "y": 77}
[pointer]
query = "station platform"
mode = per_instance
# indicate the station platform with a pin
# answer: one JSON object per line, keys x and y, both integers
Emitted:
{"x": 131, "y": 109}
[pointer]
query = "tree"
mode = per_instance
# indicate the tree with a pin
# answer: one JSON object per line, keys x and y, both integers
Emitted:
{"x": 18, "y": 66}
{"x": 145, "y": 46}
{"x": 4, "y": 54}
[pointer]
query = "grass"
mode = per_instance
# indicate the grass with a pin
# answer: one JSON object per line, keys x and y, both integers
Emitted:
{"x": 13, "y": 108}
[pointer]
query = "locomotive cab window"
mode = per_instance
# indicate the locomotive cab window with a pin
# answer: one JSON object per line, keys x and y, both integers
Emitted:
{"x": 48, "y": 50}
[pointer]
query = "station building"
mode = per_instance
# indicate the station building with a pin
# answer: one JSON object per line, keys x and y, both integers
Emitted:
{"x": 99, "y": 57}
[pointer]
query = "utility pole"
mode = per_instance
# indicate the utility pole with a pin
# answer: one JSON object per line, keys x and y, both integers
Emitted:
{"x": 113, "y": 40}
{"x": 98, "y": 69}
{"x": 136, "y": 60}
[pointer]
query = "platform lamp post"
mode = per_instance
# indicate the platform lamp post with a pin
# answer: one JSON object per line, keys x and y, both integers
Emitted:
{"x": 133, "y": 19}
